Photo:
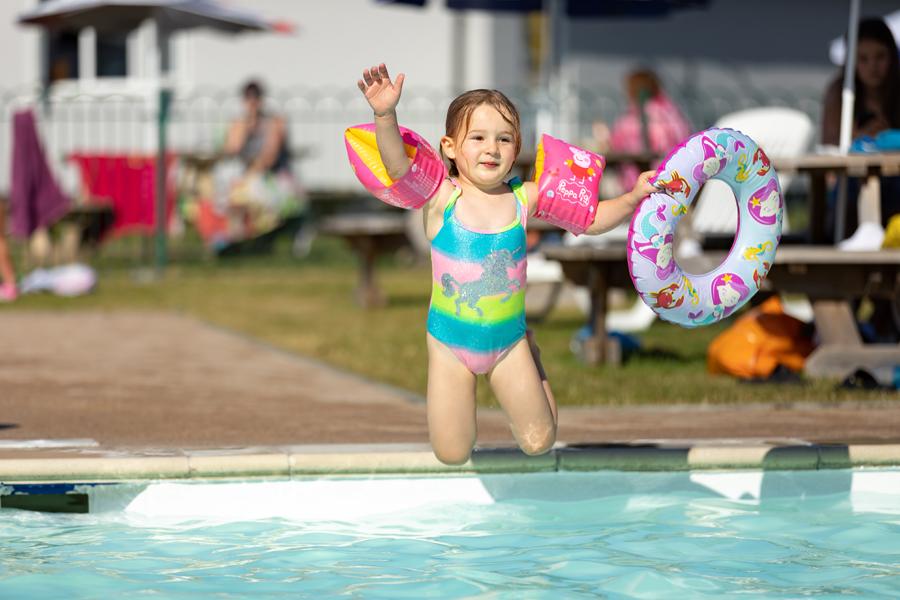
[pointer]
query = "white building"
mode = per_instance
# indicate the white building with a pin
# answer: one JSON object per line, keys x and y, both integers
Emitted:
{"x": 715, "y": 59}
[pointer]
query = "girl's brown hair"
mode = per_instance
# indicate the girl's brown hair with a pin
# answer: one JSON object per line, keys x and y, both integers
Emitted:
{"x": 461, "y": 109}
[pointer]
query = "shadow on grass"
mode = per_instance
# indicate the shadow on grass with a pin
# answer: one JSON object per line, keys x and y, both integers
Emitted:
{"x": 656, "y": 354}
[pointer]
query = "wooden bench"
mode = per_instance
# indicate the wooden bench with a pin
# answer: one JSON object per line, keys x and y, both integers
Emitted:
{"x": 369, "y": 235}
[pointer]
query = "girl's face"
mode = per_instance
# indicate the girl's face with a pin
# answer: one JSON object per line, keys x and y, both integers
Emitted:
{"x": 485, "y": 153}
{"x": 872, "y": 62}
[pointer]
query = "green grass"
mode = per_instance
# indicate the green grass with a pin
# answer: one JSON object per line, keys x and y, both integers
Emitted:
{"x": 307, "y": 306}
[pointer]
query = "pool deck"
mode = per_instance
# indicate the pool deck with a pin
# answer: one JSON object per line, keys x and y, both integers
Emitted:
{"x": 103, "y": 396}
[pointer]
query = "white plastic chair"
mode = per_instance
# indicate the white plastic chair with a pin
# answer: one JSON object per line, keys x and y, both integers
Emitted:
{"x": 780, "y": 132}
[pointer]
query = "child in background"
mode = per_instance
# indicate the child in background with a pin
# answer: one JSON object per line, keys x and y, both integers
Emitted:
{"x": 476, "y": 225}
{"x": 652, "y": 123}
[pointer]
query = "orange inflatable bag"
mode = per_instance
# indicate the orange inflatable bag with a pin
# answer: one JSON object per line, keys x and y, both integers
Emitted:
{"x": 760, "y": 341}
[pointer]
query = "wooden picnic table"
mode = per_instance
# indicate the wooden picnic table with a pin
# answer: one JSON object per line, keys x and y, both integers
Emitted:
{"x": 831, "y": 278}
{"x": 598, "y": 268}
{"x": 369, "y": 235}
{"x": 818, "y": 166}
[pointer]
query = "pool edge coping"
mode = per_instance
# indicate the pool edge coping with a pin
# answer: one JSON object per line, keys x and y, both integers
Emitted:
{"x": 417, "y": 459}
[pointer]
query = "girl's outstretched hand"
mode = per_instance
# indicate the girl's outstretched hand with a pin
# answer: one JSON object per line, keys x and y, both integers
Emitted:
{"x": 382, "y": 94}
{"x": 643, "y": 187}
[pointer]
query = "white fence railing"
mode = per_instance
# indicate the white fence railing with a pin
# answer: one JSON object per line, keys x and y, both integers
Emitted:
{"x": 126, "y": 123}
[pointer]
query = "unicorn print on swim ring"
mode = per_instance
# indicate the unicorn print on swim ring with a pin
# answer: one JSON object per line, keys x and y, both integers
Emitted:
{"x": 658, "y": 248}
{"x": 765, "y": 203}
{"x": 715, "y": 157}
{"x": 728, "y": 291}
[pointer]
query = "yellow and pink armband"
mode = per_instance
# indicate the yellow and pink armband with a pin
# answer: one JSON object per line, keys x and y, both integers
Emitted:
{"x": 567, "y": 177}
{"x": 415, "y": 188}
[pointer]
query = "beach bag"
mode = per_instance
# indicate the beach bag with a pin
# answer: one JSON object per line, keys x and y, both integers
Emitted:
{"x": 759, "y": 342}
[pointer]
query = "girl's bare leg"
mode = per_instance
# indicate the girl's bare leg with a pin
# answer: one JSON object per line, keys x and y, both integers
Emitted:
{"x": 536, "y": 355}
{"x": 523, "y": 395}
{"x": 451, "y": 405}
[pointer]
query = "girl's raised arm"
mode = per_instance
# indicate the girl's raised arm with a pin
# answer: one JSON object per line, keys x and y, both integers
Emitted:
{"x": 383, "y": 95}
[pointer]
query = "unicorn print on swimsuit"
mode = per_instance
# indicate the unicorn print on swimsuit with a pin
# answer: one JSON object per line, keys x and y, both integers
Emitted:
{"x": 658, "y": 246}
{"x": 765, "y": 203}
{"x": 494, "y": 280}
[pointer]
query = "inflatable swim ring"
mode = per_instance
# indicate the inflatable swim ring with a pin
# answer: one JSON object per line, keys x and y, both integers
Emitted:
{"x": 693, "y": 300}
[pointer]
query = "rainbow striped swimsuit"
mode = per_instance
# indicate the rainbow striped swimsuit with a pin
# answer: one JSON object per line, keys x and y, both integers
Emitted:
{"x": 478, "y": 288}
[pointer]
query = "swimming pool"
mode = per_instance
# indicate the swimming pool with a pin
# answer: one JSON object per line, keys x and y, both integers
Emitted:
{"x": 542, "y": 535}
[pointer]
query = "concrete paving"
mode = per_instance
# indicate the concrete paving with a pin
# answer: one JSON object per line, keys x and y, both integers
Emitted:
{"x": 158, "y": 383}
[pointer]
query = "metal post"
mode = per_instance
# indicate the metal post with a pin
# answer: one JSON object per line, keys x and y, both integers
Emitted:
{"x": 165, "y": 99}
{"x": 848, "y": 98}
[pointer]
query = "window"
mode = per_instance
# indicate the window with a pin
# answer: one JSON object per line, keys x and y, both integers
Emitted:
{"x": 62, "y": 55}
{"x": 112, "y": 54}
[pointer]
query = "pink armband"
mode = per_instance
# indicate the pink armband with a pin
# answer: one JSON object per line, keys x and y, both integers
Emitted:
{"x": 412, "y": 190}
{"x": 568, "y": 180}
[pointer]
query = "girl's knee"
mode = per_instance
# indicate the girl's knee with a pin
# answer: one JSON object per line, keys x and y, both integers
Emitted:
{"x": 537, "y": 439}
{"x": 451, "y": 451}
{"x": 453, "y": 456}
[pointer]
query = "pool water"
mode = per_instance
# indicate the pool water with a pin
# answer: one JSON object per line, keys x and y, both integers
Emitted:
{"x": 555, "y": 535}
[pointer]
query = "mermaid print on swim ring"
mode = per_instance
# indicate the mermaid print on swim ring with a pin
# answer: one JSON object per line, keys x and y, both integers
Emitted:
{"x": 692, "y": 300}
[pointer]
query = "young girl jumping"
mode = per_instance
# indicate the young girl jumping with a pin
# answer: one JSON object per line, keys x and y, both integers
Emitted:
{"x": 476, "y": 224}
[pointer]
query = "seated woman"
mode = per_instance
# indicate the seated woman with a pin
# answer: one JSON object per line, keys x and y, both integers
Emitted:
{"x": 254, "y": 188}
{"x": 876, "y": 108}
